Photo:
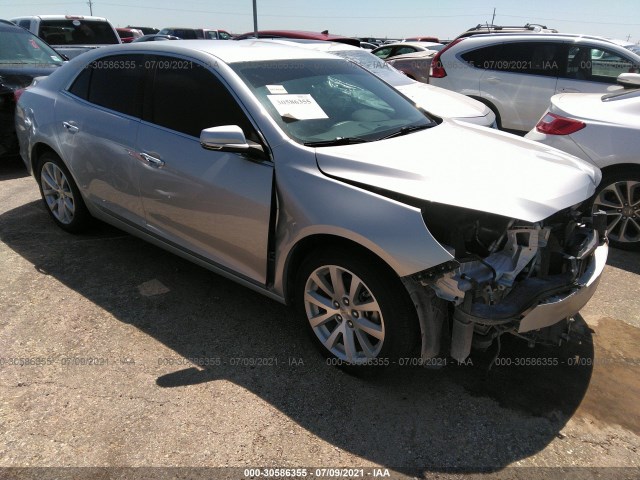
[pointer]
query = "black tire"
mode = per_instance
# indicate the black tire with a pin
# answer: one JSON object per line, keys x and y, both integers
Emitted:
{"x": 396, "y": 318}
{"x": 60, "y": 194}
{"x": 623, "y": 210}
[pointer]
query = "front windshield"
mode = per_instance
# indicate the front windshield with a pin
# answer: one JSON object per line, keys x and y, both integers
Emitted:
{"x": 19, "y": 47}
{"x": 327, "y": 100}
{"x": 375, "y": 65}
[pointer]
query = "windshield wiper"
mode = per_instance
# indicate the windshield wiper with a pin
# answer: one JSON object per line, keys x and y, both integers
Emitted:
{"x": 405, "y": 130}
{"x": 336, "y": 141}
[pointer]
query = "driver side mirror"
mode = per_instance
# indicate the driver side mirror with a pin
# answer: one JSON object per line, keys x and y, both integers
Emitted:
{"x": 629, "y": 80}
{"x": 229, "y": 138}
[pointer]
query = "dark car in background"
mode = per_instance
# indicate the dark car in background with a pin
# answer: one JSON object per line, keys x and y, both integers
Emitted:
{"x": 23, "y": 56}
{"x": 183, "y": 33}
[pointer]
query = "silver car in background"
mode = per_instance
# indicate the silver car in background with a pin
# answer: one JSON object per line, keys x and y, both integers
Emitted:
{"x": 308, "y": 179}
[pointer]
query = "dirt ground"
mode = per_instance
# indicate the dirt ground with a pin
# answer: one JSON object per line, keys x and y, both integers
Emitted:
{"x": 116, "y": 354}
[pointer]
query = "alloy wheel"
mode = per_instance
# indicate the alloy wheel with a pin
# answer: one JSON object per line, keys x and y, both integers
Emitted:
{"x": 344, "y": 314}
{"x": 57, "y": 193}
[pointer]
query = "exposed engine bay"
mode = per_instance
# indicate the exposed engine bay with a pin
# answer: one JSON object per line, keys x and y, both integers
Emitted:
{"x": 508, "y": 276}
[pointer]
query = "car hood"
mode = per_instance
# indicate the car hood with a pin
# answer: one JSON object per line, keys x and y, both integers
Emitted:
{"x": 444, "y": 103}
{"x": 467, "y": 166}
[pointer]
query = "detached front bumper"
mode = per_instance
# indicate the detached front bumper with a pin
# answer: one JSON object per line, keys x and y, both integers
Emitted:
{"x": 532, "y": 283}
{"x": 558, "y": 307}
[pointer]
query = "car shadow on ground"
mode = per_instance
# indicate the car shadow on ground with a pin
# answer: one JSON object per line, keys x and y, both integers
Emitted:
{"x": 11, "y": 168}
{"x": 624, "y": 260}
{"x": 414, "y": 420}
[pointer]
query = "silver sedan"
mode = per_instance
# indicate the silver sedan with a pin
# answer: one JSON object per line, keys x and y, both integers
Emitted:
{"x": 306, "y": 178}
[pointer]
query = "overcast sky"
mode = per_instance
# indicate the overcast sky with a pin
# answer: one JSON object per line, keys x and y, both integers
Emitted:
{"x": 389, "y": 18}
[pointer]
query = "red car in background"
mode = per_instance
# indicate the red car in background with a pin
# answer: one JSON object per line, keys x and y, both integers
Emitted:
{"x": 128, "y": 35}
{"x": 301, "y": 34}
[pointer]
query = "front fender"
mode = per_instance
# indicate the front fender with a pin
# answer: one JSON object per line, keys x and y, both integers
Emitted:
{"x": 311, "y": 204}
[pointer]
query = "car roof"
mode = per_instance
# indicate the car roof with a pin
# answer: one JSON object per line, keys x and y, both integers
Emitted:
{"x": 227, "y": 52}
{"x": 536, "y": 37}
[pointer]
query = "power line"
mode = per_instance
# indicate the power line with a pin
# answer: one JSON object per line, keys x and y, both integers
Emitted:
{"x": 294, "y": 16}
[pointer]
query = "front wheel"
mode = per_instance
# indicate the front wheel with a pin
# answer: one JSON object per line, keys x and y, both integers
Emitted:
{"x": 619, "y": 197}
{"x": 359, "y": 314}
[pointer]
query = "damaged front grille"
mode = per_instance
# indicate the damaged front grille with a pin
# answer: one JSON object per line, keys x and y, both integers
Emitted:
{"x": 504, "y": 268}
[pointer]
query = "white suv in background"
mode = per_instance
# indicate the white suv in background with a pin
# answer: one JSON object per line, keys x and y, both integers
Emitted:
{"x": 516, "y": 74}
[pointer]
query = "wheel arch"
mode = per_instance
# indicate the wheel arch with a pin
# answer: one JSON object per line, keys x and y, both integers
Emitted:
{"x": 489, "y": 104}
{"x": 37, "y": 151}
{"x": 620, "y": 168}
{"x": 307, "y": 245}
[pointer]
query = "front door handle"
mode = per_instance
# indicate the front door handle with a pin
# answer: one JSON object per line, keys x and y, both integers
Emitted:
{"x": 71, "y": 128}
{"x": 153, "y": 161}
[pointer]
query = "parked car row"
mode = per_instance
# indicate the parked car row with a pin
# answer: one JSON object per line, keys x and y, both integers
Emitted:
{"x": 305, "y": 177}
{"x": 23, "y": 57}
{"x": 519, "y": 74}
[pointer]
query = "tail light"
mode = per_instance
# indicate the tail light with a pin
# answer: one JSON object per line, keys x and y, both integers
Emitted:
{"x": 437, "y": 70}
{"x": 553, "y": 124}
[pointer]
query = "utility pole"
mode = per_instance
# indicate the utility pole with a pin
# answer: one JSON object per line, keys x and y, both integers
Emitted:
{"x": 255, "y": 19}
{"x": 494, "y": 15}
{"x": 90, "y": 3}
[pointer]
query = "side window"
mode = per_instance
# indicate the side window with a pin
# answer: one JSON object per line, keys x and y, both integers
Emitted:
{"x": 80, "y": 86}
{"x": 383, "y": 52}
{"x": 484, "y": 57}
{"x": 403, "y": 50}
{"x": 533, "y": 58}
{"x": 114, "y": 82}
{"x": 25, "y": 24}
{"x": 597, "y": 64}
{"x": 188, "y": 98}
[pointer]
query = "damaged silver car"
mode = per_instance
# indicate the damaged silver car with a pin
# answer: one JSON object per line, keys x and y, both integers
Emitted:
{"x": 310, "y": 180}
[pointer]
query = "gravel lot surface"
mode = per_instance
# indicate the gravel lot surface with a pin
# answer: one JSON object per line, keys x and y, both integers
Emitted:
{"x": 114, "y": 353}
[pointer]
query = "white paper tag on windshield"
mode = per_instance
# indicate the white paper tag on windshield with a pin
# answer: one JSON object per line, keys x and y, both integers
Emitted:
{"x": 276, "y": 89}
{"x": 298, "y": 106}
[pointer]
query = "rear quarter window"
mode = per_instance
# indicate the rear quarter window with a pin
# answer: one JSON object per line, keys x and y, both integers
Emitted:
{"x": 114, "y": 82}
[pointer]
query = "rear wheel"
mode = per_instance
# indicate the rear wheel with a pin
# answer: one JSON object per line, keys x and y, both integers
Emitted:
{"x": 60, "y": 194}
{"x": 618, "y": 195}
{"x": 358, "y": 313}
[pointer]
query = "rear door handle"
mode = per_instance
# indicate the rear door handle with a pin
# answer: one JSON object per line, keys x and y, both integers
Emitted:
{"x": 71, "y": 128}
{"x": 570, "y": 90}
{"x": 493, "y": 80}
{"x": 153, "y": 161}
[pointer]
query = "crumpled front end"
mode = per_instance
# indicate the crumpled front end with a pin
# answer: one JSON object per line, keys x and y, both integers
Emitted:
{"x": 508, "y": 276}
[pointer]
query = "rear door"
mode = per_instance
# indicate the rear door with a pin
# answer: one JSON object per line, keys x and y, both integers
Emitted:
{"x": 593, "y": 69}
{"x": 211, "y": 203}
{"x": 519, "y": 79}
{"x": 97, "y": 121}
